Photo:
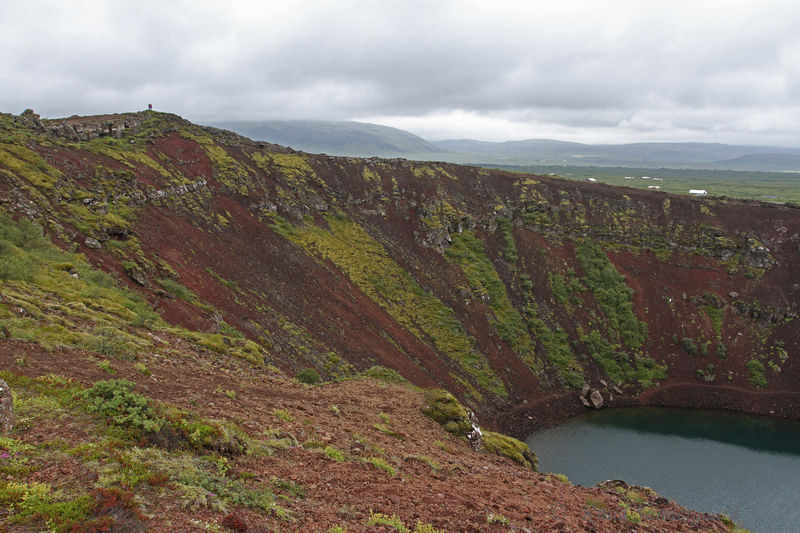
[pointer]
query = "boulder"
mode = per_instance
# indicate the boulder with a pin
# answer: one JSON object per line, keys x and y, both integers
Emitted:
{"x": 32, "y": 120}
{"x": 585, "y": 402}
{"x": 596, "y": 398}
{"x": 6, "y": 409}
{"x": 138, "y": 275}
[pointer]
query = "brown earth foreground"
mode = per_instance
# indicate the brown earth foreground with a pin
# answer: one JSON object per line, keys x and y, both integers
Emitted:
{"x": 463, "y": 491}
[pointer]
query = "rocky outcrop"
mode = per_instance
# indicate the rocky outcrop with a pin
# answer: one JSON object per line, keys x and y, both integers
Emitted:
{"x": 591, "y": 397}
{"x": 88, "y": 128}
{"x": 596, "y": 399}
{"x": 152, "y": 195}
{"x": 6, "y": 409}
{"x": 31, "y": 120}
{"x": 767, "y": 315}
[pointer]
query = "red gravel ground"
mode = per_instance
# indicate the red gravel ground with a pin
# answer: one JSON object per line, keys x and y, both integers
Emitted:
{"x": 459, "y": 494}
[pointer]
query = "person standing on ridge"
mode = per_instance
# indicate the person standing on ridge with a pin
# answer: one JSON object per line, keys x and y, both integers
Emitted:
{"x": 150, "y": 107}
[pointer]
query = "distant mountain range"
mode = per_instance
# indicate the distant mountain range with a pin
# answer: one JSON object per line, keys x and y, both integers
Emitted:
{"x": 362, "y": 139}
{"x": 646, "y": 155}
{"x": 334, "y": 138}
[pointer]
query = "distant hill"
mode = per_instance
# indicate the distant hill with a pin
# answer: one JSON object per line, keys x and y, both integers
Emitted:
{"x": 762, "y": 162}
{"x": 364, "y": 140}
{"x": 653, "y": 155}
{"x": 334, "y": 137}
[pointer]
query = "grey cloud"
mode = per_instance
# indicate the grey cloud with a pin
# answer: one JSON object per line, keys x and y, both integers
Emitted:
{"x": 687, "y": 68}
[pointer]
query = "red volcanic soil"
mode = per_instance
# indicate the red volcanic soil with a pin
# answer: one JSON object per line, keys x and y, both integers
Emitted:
{"x": 458, "y": 495}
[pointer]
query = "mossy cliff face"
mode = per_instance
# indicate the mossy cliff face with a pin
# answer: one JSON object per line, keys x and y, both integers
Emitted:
{"x": 503, "y": 288}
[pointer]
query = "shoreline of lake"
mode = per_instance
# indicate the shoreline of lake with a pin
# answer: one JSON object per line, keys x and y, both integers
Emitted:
{"x": 745, "y": 466}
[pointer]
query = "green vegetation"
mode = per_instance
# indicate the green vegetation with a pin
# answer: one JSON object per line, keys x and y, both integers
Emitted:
{"x": 444, "y": 408}
{"x": 308, "y": 376}
{"x": 554, "y": 342}
{"x": 334, "y": 453}
{"x": 510, "y": 447}
{"x": 384, "y": 374}
{"x": 136, "y": 414}
{"x": 731, "y": 525}
{"x": 133, "y": 445}
{"x": 777, "y": 186}
{"x": 381, "y": 464}
{"x": 423, "y": 459}
{"x": 612, "y": 294}
{"x": 622, "y": 328}
{"x": 227, "y": 170}
{"x": 282, "y": 414}
{"x": 380, "y": 519}
{"x": 467, "y": 251}
{"x": 367, "y": 263}
{"x": 633, "y": 516}
{"x": 689, "y": 345}
{"x": 38, "y": 278}
{"x": 384, "y": 427}
{"x": 722, "y": 350}
{"x": 566, "y": 291}
{"x": 494, "y": 518}
{"x": 113, "y": 342}
{"x": 756, "y": 369}
{"x": 618, "y": 365}
{"x": 716, "y": 315}
{"x": 24, "y": 249}
{"x": 126, "y": 408}
{"x": 32, "y": 500}
{"x": 509, "y": 245}
{"x": 176, "y": 289}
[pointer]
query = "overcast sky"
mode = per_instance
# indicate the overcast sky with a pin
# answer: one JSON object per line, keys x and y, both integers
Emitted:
{"x": 609, "y": 71}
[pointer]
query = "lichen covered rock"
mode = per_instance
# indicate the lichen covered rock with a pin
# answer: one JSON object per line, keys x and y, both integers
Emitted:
{"x": 446, "y": 409}
{"x": 510, "y": 447}
{"x": 6, "y": 409}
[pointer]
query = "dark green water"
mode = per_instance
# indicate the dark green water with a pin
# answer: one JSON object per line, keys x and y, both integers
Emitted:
{"x": 747, "y": 467}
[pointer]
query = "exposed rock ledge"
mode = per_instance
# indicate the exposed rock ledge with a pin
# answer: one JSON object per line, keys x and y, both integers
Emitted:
{"x": 551, "y": 410}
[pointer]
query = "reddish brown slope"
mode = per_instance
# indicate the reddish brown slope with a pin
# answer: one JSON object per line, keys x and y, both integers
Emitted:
{"x": 201, "y": 204}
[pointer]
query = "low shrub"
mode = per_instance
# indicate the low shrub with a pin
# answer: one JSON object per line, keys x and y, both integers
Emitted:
{"x": 384, "y": 374}
{"x": 308, "y": 376}
{"x": 165, "y": 426}
{"x": 688, "y": 345}
{"x": 115, "y": 399}
{"x": 757, "y": 378}
{"x": 177, "y": 290}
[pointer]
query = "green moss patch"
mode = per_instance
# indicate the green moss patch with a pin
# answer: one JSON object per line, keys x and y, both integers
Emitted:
{"x": 467, "y": 251}
{"x": 368, "y": 265}
{"x": 444, "y": 408}
{"x": 510, "y": 447}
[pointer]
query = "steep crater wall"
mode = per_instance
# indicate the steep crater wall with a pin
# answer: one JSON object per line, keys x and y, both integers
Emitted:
{"x": 515, "y": 292}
